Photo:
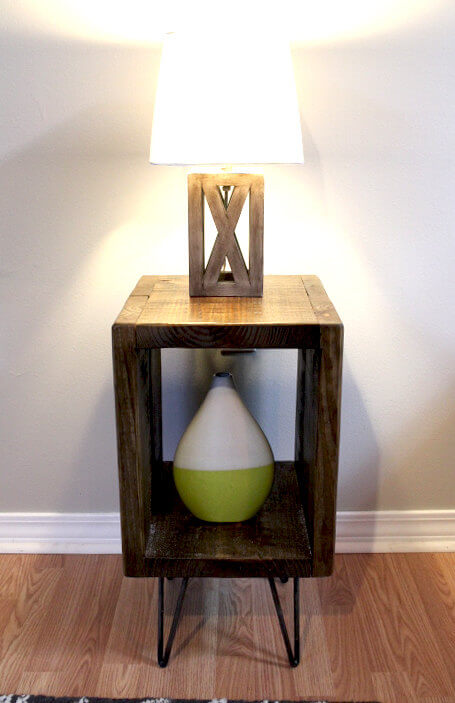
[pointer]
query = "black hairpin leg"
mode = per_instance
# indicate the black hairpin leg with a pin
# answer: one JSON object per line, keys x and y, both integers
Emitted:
{"x": 293, "y": 656}
{"x": 164, "y": 653}
{"x": 163, "y": 658}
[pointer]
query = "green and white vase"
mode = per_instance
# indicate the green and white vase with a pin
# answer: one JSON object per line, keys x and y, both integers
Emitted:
{"x": 223, "y": 466}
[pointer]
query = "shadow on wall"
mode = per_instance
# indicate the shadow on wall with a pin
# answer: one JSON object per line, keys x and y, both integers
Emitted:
{"x": 424, "y": 447}
{"x": 359, "y": 452}
{"x": 93, "y": 469}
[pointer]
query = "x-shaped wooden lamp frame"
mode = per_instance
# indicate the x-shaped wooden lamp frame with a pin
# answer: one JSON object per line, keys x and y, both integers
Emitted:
{"x": 206, "y": 279}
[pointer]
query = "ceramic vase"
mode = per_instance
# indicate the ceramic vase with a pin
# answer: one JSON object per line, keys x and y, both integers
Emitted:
{"x": 223, "y": 466}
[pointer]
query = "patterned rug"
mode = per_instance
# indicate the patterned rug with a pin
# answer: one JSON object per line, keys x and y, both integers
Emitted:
{"x": 49, "y": 699}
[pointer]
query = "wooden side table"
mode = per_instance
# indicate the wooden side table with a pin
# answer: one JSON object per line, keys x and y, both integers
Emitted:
{"x": 293, "y": 535}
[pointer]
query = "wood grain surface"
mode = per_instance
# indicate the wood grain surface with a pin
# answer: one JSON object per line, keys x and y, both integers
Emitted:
{"x": 381, "y": 629}
{"x": 283, "y": 317}
{"x": 205, "y": 278}
{"x": 294, "y": 534}
{"x": 131, "y": 415}
{"x": 226, "y": 243}
{"x": 285, "y": 302}
{"x": 317, "y": 441}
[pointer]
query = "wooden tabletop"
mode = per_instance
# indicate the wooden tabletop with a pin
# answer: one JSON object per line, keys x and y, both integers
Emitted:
{"x": 290, "y": 314}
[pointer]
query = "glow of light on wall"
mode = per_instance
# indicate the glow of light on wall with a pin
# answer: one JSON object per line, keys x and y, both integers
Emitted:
{"x": 140, "y": 21}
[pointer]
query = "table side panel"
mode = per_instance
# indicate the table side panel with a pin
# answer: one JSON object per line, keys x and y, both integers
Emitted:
{"x": 215, "y": 568}
{"x": 228, "y": 337}
{"x": 317, "y": 441}
{"x": 130, "y": 392}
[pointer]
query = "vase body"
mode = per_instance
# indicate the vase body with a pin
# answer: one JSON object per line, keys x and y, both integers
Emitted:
{"x": 223, "y": 466}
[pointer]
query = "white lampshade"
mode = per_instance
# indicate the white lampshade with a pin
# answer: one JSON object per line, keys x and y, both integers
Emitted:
{"x": 221, "y": 101}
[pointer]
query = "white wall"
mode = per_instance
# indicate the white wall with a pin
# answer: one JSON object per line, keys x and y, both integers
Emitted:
{"x": 83, "y": 215}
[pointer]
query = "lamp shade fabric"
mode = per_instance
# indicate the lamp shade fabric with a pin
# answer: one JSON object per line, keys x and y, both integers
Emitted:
{"x": 221, "y": 101}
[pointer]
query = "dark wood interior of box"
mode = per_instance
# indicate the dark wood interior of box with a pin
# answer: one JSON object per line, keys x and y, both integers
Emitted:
{"x": 274, "y": 542}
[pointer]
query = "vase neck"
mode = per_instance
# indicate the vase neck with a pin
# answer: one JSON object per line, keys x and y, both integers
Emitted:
{"x": 222, "y": 380}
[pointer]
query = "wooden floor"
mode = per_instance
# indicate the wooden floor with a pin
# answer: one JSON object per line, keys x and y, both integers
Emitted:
{"x": 382, "y": 628}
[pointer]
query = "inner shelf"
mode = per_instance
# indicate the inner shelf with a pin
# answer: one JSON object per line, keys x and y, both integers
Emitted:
{"x": 273, "y": 543}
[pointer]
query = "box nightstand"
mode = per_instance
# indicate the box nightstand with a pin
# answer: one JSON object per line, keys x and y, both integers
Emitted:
{"x": 293, "y": 535}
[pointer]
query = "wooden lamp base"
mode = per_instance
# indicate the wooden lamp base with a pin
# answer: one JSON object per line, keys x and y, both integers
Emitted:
{"x": 207, "y": 279}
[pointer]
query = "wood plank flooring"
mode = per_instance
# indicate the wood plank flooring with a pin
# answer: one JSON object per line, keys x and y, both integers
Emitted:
{"x": 382, "y": 628}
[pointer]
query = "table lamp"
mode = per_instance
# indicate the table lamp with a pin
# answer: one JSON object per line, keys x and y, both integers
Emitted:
{"x": 224, "y": 101}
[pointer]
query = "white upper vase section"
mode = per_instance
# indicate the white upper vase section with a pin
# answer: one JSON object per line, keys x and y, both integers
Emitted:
{"x": 223, "y": 434}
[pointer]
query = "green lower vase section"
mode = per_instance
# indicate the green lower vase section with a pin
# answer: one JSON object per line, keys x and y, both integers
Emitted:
{"x": 224, "y": 496}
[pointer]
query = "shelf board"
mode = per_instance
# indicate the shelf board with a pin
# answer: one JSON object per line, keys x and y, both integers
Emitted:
{"x": 273, "y": 543}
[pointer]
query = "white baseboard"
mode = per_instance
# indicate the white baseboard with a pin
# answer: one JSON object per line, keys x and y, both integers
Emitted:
{"x": 60, "y": 533}
{"x": 99, "y": 533}
{"x": 396, "y": 531}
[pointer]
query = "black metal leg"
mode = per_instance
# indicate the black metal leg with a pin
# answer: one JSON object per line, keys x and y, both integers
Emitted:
{"x": 164, "y": 653}
{"x": 164, "y": 658}
{"x": 293, "y": 656}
